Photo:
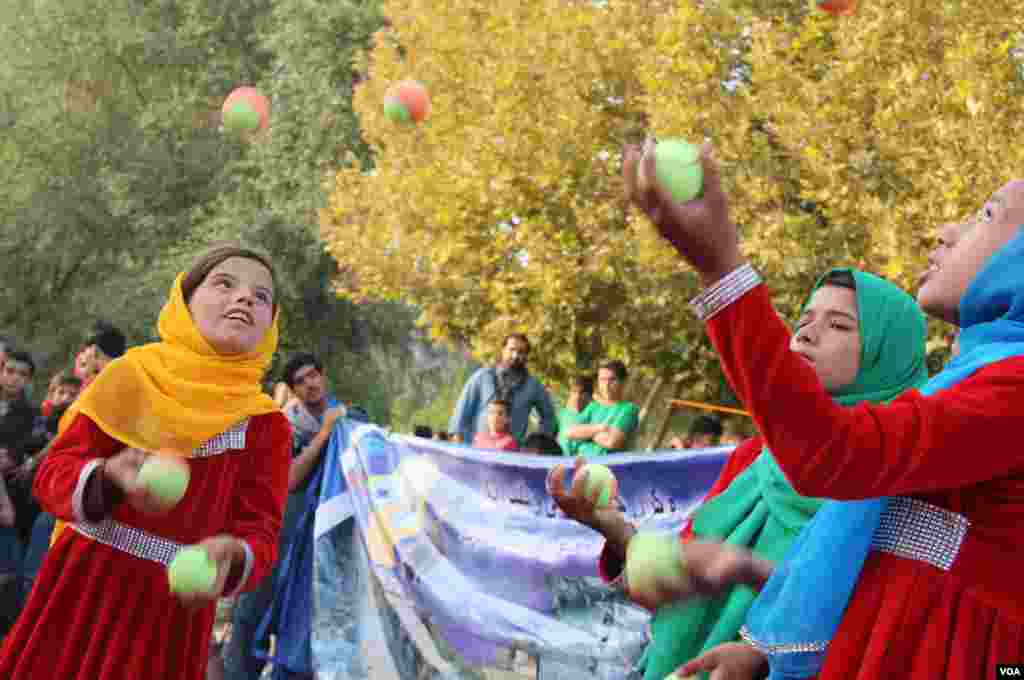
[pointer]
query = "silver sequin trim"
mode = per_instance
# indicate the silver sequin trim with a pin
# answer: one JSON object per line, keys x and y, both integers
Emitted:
{"x": 731, "y": 288}
{"x": 128, "y": 539}
{"x": 233, "y": 439}
{"x": 920, "y": 531}
{"x": 793, "y": 648}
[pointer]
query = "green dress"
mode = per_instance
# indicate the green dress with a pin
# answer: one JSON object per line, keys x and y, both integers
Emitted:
{"x": 759, "y": 510}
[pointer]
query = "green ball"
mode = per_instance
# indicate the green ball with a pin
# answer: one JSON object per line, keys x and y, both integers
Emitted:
{"x": 652, "y": 557}
{"x": 191, "y": 571}
{"x": 678, "y": 168}
{"x": 395, "y": 110}
{"x": 599, "y": 477}
{"x": 167, "y": 479}
{"x": 242, "y": 116}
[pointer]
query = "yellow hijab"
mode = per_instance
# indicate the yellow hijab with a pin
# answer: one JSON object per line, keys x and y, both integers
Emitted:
{"x": 174, "y": 395}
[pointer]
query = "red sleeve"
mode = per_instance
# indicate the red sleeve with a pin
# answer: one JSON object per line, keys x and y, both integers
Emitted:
{"x": 916, "y": 444}
{"x": 59, "y": 483}
{"x": 260, "y": 498}
{"x": 739, "y": 460}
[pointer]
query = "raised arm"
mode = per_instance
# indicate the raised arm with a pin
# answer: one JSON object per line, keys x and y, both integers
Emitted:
{"x": 916, "y": 444}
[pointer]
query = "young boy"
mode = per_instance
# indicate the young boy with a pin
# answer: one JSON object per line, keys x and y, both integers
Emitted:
{"x": 581, "y": 393}
{"x": 497, "y": 436}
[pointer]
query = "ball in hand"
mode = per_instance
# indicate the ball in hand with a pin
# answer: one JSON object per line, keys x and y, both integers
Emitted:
{"x": 191, "y": 571}
{"x": 407, "y": 102}
{"x": 166, "y": 478}
{"x": 677, "y": 168}
{"x": 652, "y": 558}
{"x": 601, "y": 482}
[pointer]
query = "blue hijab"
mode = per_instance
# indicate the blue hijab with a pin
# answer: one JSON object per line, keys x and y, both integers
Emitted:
{"x": 791, "y": 620}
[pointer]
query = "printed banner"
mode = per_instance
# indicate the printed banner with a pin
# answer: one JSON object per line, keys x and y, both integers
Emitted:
{"x": 469, "y": 566}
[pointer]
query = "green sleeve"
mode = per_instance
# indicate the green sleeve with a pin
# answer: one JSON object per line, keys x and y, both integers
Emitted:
{"x": 626, "y": 418}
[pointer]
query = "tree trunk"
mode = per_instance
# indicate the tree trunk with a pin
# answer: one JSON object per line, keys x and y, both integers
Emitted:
{"x": 659, "y": 384}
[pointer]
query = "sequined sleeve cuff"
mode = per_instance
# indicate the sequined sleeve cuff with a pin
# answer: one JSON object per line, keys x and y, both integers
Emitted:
{"x": 94, "y": 496}
{"x": 246, "y": 570}
{"x": 728, "y": 290}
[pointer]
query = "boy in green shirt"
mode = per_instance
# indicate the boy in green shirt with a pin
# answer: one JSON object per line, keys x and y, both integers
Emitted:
{"x": 607, "y": 423}
{"x": 581, "y": 392}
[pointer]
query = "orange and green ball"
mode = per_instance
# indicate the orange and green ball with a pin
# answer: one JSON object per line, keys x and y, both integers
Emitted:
{"x": 407, "y": 102}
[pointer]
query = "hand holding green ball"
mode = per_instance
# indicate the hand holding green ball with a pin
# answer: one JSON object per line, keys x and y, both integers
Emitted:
{"x": 165, "y": 478}
{"x": 677, "y": 169}
{"x": 653, "y": 559}
{"x": 191, "y": 571}
{"x": 601, "y": 482}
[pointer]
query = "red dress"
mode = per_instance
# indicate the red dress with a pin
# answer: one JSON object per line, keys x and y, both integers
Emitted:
{"x": 957, "y": 449}
{"x": 98, "y": 613}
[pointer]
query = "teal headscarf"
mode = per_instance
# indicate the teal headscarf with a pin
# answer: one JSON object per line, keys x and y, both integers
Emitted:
{"x": 760, "y": 510}
{"x": 798, "y": 624}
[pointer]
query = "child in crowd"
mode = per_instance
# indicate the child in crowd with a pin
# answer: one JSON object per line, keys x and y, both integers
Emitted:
{"x": 581, "y": 393}
{"x": 497, "y": 437}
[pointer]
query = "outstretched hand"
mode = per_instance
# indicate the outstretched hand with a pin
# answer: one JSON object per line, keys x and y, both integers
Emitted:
{"x": 577, "y": 503}
{"x": 700, "y": 230}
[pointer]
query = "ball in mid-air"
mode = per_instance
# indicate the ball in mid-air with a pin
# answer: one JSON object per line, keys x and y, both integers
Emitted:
{"x": 246, "y": 109}
{"x": 407, "y": 102}
{"x": 838, "y": 7}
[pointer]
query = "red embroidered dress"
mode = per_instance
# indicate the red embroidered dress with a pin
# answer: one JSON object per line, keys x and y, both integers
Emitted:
{"x": 941, "y": 596}
{"x": 99, "y": 612}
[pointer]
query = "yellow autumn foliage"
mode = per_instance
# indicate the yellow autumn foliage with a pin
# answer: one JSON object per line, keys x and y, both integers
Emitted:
{"x": 843, "y": 142}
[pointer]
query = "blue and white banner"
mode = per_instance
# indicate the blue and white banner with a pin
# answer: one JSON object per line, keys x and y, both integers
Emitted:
{"x": 469, "y": 564}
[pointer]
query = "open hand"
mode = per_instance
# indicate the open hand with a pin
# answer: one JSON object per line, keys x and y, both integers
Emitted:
{"x": 331, "y": 416}
{"x": 699, "y": 229}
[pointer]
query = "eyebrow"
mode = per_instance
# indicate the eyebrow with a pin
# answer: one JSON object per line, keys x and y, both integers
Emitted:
{"x": 831, "y": 312}
{"x": 235, "y": 278}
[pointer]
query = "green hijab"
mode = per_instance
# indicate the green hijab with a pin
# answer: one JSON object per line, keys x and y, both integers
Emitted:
{"x": 759, "y": 509}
